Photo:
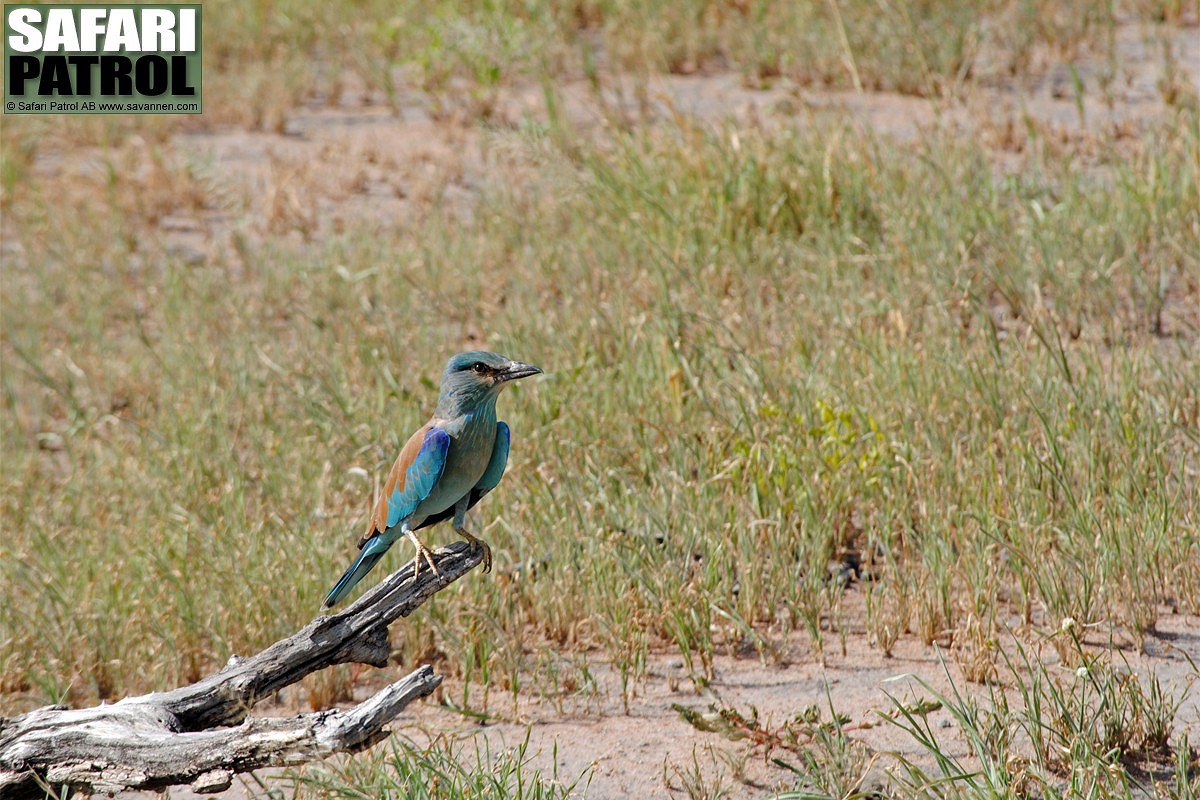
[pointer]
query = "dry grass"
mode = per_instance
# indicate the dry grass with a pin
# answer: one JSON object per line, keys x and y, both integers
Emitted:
{"x": 767, "y": 349}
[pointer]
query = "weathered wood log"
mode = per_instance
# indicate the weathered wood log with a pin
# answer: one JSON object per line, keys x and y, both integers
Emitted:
{"x": 201, "y": 734}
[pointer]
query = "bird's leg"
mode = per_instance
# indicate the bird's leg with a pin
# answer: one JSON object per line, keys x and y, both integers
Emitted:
{"x": 477, "y": 542}
{"x": 422, "y": 550}
{"x": 460, "y": 527}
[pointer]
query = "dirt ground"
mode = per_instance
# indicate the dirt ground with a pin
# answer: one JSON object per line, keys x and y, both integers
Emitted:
{"x": 359, "y": 161}
{"x": 651, "y": 750}
{"x": 637, "y": 754}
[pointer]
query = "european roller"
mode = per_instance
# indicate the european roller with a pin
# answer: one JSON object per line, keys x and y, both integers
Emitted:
{"x": 445, "y": 468}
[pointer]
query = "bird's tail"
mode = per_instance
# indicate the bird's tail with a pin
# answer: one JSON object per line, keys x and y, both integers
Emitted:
{"x": 372, "y": 551}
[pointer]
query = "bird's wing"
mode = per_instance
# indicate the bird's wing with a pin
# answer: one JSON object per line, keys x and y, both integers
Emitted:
{"x": 488, "y": 481}
{"x": 412, "y": 478}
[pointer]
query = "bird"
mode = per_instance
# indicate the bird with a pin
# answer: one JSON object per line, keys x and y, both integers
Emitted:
{"x": 445, "y": 468}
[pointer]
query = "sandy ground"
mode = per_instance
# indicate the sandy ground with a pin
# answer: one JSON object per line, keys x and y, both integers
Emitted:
{"x": 651, "y": 750}
{"x": 361, "y": 162}
{"x": 636, "y": 754}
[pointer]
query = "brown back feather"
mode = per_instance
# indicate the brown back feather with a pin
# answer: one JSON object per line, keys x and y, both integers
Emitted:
{"x": 395, "y": 480}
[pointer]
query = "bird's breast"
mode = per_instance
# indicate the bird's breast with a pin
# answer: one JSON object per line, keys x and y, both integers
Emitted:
{"x": 471, "y": 443}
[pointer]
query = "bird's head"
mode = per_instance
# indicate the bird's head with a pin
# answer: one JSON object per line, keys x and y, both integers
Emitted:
{"x": 474, "y": 377}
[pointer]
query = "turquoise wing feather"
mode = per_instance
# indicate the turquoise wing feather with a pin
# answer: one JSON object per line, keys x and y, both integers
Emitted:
{"x": 412, "y": 478}
{"x": 420, "y": 477}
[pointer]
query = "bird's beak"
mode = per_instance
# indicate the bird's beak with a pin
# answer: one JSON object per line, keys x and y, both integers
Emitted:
{"x": 518, "y": 370}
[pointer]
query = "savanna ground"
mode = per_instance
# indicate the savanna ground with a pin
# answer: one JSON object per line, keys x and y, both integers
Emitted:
{"x": 868, "y": 455}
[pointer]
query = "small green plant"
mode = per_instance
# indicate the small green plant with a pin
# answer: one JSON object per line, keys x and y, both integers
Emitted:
{"x": 793, "y": 734}
{"x": 445, "y": 769}
{"x": 698, "y": 781}
{"x": 1095, "y": 726}
{"x": 831, "y": 766}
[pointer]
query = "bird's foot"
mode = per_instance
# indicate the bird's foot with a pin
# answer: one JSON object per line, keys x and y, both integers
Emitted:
{"x": 477, "y": 542}
{"x": 422, "y": 550}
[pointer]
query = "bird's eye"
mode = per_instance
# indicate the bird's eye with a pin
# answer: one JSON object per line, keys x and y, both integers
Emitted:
{"x": 479, "y": 367}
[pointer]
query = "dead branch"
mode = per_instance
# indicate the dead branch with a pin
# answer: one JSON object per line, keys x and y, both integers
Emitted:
{"x": 202, "y": 735}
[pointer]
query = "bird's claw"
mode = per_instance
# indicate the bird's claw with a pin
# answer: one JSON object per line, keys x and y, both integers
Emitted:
{"x": 422, "y": 550}
{"x": 477, "y": 542}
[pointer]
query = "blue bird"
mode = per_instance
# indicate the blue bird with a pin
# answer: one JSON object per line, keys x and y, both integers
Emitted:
{"x": 445, "y": 468}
